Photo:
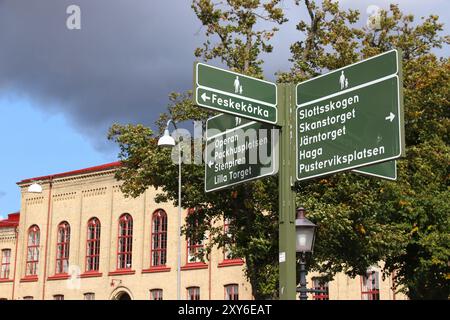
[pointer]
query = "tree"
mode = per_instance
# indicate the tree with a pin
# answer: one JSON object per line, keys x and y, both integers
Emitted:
{"x": 251, "y": 209}
{"x": 364, "y": 220}
{"x": 361, "y": 220}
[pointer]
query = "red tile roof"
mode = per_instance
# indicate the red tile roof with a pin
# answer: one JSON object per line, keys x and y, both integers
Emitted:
{"x": 12, "y": 221}
{"x": 102, "y": 167}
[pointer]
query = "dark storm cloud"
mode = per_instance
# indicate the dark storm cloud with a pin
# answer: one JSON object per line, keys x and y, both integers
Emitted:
{"x": 120, "y": 67}
{"x": 122, "y": 64}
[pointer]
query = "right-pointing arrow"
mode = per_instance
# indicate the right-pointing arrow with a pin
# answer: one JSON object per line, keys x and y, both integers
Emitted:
{"x": 390, "y": 117}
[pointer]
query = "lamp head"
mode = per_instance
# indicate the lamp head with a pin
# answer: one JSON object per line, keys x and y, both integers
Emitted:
{"x": 305, "y": 232}
{"x": 166, "y": 140}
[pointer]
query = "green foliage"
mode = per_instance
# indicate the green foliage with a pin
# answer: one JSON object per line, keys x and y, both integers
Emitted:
{"x": 365, "y": 220}
{"x": 233, "y": 23}
{"x": 361, "y": 220}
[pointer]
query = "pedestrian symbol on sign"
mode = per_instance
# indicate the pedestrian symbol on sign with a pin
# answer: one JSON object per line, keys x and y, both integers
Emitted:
{"x": 237, "y": 85}
{"x": 343, "y": 81}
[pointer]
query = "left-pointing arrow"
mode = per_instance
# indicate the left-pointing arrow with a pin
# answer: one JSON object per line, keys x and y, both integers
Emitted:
{"x": 205, "y": 97}
{"x": 210, "y": 164}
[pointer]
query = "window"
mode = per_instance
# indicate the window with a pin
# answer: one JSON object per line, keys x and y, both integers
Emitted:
{"x": 62, "y": 248}
{"x": 28, "y": 298}
{"x": 231, "y": 292}
{"x": 58, "y": 297}
{"x": 89, "y": 296}
{"x": 33, "y": 251}
{"x": 193, "y": 293}
{"x": 193, "y": 247}
{"x": 6, "y": 263}
{"x": 93, "y": 245}
{"x": 318, "y": 284}
{"x": 370, "y": 288}
{"x": 156, "y": 294}
{"x": 125, "y": 242}
{"x": 159, "y": 238}
{"x": 227, "y": 248}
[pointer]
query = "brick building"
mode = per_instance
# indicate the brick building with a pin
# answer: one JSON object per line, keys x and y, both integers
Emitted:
{"x": 80, "y": 238}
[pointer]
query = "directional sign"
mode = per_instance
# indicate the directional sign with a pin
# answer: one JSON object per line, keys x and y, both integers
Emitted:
{"x": 235, "y": 93}
{"x": 349, "y": 129}
{"x": 243, "y": 152}
{"x": 224, "y": 122}
{"x": 351, "y": 76}
{"x": 385, "y": 170}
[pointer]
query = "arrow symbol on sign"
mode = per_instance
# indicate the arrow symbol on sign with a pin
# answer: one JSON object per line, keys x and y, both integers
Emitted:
{"x": 390, "y": 117}
{"x": 205, "y": 97}
{"x": 210, "y": 163}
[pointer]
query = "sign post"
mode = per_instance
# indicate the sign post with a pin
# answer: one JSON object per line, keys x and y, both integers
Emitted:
{"x": 286, "y": 198}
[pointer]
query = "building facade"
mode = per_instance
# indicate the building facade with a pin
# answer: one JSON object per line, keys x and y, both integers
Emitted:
{"x": 80, "y": 238}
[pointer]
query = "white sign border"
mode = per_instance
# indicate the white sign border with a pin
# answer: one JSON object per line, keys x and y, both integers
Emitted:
{"x": 238, "y": 74}
{"x": 378, "y": 175}
{"x": 343, "y": 68}
{"x": 356, "y": 166}
{"x": 197, "y": 102}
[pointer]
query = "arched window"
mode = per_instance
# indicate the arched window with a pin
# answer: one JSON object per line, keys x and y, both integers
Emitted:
{"x": 5, "y": 263}
{"x": 93, "y": 245}
{"x": 62, "y": 248}
{"x": 159, "y": 238}
{"x": 194, "y": 247}
{"x": 232, "y": 292}
{"x": 125, "y": 242}
{"x": 34, "y": 236}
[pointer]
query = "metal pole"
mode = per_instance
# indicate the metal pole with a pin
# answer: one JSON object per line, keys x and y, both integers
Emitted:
{"x": 286, "y": 195}
{"x": 303, "y": 290}
{"x": 179, "y": 227}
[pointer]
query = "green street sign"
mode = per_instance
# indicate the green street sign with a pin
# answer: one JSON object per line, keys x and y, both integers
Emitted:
{"x": 238, "y": 150}
{"x": 352, "y": 128}
{"x": 235, "y": 93}
{"x": 348, "y": 77}
{"x": 224, "y": 122}
{"x": 385, "y": 170}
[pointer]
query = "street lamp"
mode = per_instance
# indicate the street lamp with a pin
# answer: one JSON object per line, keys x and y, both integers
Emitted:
{"x": 305, "y": 235}
{"x": 167, "y": 141}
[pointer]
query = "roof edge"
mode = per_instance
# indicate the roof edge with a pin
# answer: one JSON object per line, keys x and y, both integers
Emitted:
{"x": 103, "y": 167}
{"x": 11, "y": 221}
